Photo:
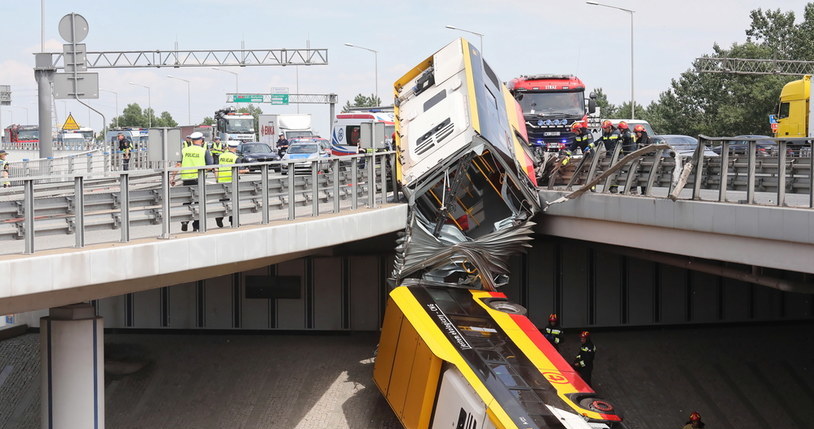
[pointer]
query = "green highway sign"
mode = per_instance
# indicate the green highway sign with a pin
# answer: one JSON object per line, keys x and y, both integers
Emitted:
{"x": 247, "y": 98}
{"x": 279, "y": 99}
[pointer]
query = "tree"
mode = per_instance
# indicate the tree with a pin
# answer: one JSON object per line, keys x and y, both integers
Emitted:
{"x": 134, "y": 116}
{"x": 255, "y": 111}
{"x": 362, "y": 101}
{"x": 208, "y": 121}
{"x": 606, "y": 109}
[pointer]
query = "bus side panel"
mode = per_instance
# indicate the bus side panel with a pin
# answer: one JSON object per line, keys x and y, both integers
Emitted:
{"x": 424, "y": 376}
{"x": 388, "y": 341}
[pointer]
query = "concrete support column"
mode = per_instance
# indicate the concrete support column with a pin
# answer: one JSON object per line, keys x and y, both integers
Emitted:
{"x": 72, "y": 368}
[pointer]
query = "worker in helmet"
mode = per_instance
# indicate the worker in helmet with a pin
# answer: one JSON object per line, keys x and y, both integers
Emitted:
{"x": 582, "y": 138}
{"x": 609, "y": 136}
{"x": 694, "y": 422}
{"x": 642, "y": 140}
{"x": 625, "y": 138}
{"x": 552, "y": 332}
{"x": 584, "y": 361}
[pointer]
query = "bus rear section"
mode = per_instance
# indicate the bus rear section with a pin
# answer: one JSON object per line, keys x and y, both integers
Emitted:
{"x": 460, "y": 358}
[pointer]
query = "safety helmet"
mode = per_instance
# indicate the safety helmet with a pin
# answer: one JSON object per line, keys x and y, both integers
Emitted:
{"x": 607, "y": 124}
{"x": 694, "y": 417}
{"x": 584, "y": 334}
{"x": 577, "y": 125}
{"x": 638, "y": 128}
{"x": 622, "y": 125}
{"x": 552, "y": 318}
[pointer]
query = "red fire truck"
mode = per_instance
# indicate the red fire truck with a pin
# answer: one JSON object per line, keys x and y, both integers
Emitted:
{"x": 551, "y": 103}
{"x": 22, "y": 134}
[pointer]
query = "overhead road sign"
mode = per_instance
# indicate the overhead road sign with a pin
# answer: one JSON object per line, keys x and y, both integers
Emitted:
{"x": 281, "y": 99}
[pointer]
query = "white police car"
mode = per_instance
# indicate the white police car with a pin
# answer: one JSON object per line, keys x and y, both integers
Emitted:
{"x": 300, "y": 156}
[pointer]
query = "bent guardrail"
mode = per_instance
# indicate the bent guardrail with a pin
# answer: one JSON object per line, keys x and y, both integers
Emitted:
{"x": 78, "y": 205}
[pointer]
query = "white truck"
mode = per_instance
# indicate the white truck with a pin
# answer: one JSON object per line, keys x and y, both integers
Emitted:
{"x": 232, "y": 125}
{"x": 292, "y": 125}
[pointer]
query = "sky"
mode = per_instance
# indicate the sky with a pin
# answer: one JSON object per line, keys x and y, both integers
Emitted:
{"x": 519, "y": 37}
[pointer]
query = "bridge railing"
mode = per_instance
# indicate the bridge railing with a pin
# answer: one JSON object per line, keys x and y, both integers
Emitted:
{"x": 86, "y": 207}
{"x": 778, "y": 174}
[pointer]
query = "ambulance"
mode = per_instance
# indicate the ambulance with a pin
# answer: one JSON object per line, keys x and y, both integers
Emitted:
{"x": 347, "y": 131}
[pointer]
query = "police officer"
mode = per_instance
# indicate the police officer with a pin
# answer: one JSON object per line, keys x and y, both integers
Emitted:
{"x": 126, "y": 147}
{"x": 4, "y": 169}
{"x": 282, "y": 144}
{"x": 224, "y": 173}
{"x": 552, "y": 332}
{"x": 186, "y": 143}
{"x": 192, "y": 156}
{"x": 582, "y": 138}
{"x": 216, "y": 149}
{"x": 694, "y": 422}
{"x": 584, "y": 362}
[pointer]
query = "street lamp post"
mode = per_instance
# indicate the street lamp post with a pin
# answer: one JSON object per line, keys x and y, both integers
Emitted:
{"x": 631, "y": 12}
{"x": 189, "y": 104}
{"x": 117, "y": 104}
{"x": 237, "y": 86}
{"x": 480, "y": 35}
{"x": 149, "y": 104}
{"x": 375, "y": 66}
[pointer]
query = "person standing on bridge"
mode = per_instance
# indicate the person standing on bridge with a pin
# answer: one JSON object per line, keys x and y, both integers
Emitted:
{"x": 224, "y": 173}
{"x": 582, "y": 138}
{"x": 694, "y": 422}
{"x": 4, "y": 169}
{"x": 625, "y": 138}
{"x": 192, "y": 156}
{"x": 584, "y": 362}
{"x": 125, "y": 147}
{"x": 642, "y": 140}
{"x": 552, "y": 332}
{"x": 282, "y": 145}
{"x": 216, "y": 149}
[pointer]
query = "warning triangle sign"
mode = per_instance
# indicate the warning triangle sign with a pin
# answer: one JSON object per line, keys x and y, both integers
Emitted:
{"x": 70, "y": 123}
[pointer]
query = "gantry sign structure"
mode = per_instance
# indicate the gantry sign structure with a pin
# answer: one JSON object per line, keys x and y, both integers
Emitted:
{"x": 754, "y": 66}
{"x": 76, "y": 83}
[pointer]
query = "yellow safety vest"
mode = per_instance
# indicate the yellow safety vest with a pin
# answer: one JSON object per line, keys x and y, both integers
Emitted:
{"x": 217, "y": 148}
{"x": 225, "y": 173}
{"x": 192, "y": 156}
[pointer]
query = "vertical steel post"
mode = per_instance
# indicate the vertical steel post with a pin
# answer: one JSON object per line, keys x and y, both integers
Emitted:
{"x": 371, "y": 180}
{"x": 165, "y": 202}
{"x": 79, "y": 211}
{"x": 336, "y": 184}
{"x": 264, "y": 185}
{"x": 202, "y": 199}
{"x": 724, "y": 182}
{"x": 124, "y": 197}
{"x": 750, "y": 178}
{"x": 354, "y": 201}
{"x": 810, "y": 174}
{"x": 44, "y": 75}
{"x": 291, "y": 205}
{"x": 781, "y": 174}
{"x": 235, "y": 197}
{"x": 651, "y": 178}
{"x": 28, "y": 213}
{"x": 383, "y": 175}
{"x": 699, "y": 167}
{"x": 315, "y": 165}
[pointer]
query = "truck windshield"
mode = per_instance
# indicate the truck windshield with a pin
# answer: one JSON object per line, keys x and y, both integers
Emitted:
{"x": 240, "y": 125}
{"x": 28, "y": 135}
{"x": 553, "y": 103}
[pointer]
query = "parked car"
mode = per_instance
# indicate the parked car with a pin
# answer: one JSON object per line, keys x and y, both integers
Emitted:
{"x": 765, "y": 145}
{"x": 257, "y": 152}
{"x": 633, "y": 122}
{"x": 306, "y": 153}
{"x": 681, "y": 145}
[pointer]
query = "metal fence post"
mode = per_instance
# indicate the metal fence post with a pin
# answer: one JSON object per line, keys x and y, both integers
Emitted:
{"x": 314, "y": 189}
{"x": 781, "y": 174}
{"x": 383, "y": 174}
{"x": 106, "y": 167}
{"x": 201, "y": 200}
{"x": 336, "y": 184}
{"x": 28, "y": 213}
{"x": 810, "y": 174}
{"x": 291, "y": 205}
{"x": 724, "y": 182}
{"x": 354, "y": 201}
{"x": 79, "y": 211}
{"x": 264, "y": 185}
{"x": 90, "y": 162}
{"x": 235, "y": 197}
{"x": 371, "y": 180}
{"x": 750, "y": 178}
{"x": 70, "y": 165}
{"x": 124, "y": 197}
{"x": 699, "y": 168}
{"x": 165, "y": 202}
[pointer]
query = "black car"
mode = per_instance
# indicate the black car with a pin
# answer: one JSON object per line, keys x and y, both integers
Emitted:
{"x": 257, "y": 152}
{"x": 765, "y": 145}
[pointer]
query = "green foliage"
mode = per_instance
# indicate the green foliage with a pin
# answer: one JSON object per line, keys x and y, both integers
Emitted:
{"x": 362, "y": 101}
{"x": 606, "y": 109}
{"x": 134, "y": 116}
{"x": 208, "y": 121}
{"x": 255, "y": 111}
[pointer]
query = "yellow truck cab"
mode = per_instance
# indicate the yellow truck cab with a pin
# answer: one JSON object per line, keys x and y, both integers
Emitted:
{"x": 794, "y": 115}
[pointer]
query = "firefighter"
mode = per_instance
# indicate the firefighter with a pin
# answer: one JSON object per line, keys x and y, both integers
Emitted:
{"x": 553, "y": 333}
{"x": 609, "y": 137}
{"x": 642, "y": 140}
{"x": 626, "y": 138}
{"x": 582, "y": 138}
{"x": 584, "y": 362}
{"x": 694, "y": 422}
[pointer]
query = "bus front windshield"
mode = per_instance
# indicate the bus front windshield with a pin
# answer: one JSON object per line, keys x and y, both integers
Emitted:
{"x": 238, "y": 126}
{"x": 553, "y": 103}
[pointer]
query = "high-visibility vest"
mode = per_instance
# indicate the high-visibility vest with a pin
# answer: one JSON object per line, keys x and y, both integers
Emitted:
{"x": 225, "y": 173}
{"x": 217, "y": 148}
{"x": 192, "y": 156}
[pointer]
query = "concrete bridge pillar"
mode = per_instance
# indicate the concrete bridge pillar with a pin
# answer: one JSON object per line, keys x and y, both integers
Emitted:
{"x": 72, "y": 368}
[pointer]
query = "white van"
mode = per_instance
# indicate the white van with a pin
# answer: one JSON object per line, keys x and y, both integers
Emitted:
{"x": 347, "y": 130}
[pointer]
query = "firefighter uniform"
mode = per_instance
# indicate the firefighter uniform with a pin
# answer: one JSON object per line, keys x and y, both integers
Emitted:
{"x": 584, "y": 362}
{"x": 626, "y": 140}
{"x": 609, "y": 138}
{"x": 582, "y": 141}
{"x": 554, "y": 335}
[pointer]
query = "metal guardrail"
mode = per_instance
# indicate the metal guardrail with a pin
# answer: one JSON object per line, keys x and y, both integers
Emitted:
{"x": 80, "y": 205}
{"x": 784, "y": 170}
{"x": 91, "y": 163}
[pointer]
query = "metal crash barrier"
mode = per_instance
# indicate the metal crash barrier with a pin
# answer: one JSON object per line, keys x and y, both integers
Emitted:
{"x": 48, "y": 206}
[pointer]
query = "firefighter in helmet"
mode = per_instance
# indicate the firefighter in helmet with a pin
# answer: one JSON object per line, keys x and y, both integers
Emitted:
{"x": 582, "y": 138}
{"x": 694, "y": 422}
{"x": 584, "y": 361}
{"x": 552, "y": 332}
{"x": 610, "y": 136}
